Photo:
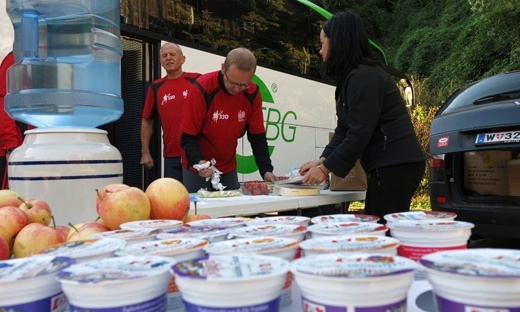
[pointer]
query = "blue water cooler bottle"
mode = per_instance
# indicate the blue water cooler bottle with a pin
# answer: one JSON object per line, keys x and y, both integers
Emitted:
{"x": 66, "y": 81}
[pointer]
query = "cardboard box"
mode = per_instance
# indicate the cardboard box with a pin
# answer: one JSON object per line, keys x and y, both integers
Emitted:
{"x": 485, "y": 172}
{"x": 513, "y": 174}
{"x": 356, "y": 179}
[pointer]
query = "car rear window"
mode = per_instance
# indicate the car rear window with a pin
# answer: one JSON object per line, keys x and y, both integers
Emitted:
{"x": 488, "y": 90}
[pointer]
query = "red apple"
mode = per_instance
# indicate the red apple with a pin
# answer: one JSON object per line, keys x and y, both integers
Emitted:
{"x": 10, "y": 198}
{"x": 12, "y": 220}
{"x": 5, "y": 251}
{"x": 38, "y": 210}
{"x": 190, "y": 217}
{"x": 169, "y": 199}
{"x": 63, "y": 231}
{"x": 106, "y": 190}
{"x": 33, "y": 237}
{"x": 82, "y": 231}
{"x": 130, "y": 204}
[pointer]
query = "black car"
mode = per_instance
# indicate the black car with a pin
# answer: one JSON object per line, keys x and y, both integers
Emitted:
{"x": 475, "y": 167}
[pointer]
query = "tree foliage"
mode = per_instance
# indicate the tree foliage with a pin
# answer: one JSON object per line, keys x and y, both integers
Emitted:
{"x": 444, "y": 43}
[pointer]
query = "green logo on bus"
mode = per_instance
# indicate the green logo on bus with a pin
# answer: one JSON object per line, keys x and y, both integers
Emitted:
{"x": 273, "y": 120}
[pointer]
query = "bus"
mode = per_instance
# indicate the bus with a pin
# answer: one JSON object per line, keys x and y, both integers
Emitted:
{"x": 298, "y": 101}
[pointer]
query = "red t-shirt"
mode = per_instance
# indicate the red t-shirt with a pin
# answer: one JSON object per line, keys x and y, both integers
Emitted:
{"x": 170, "y": 94}
{"x": 219, "y": 119}
{"x": 10, "y": 134}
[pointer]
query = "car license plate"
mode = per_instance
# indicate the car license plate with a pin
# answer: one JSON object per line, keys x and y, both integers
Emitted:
{"x": 498, "y": 137}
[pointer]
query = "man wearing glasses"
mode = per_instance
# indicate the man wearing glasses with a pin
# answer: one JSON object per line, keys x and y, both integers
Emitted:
{"x": 221, "y": 107}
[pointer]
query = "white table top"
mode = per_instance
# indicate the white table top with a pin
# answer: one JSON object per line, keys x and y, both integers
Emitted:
{"x": 252, "y": 205}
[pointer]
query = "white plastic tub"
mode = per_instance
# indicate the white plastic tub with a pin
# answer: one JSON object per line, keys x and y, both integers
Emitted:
{"x": 354, "y": 282}
{"x": 130, "y": 283}
{"x": 350, "y": 243}
{"x": 347, "y": 228}
{"x": 477, "y": 279}
{"x": 29, "y": 284}
{"x": 237, "y": 282}
{"x": 422, "y": 237}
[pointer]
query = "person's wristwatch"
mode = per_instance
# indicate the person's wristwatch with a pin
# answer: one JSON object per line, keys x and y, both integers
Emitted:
{"x": 9, "y": 150}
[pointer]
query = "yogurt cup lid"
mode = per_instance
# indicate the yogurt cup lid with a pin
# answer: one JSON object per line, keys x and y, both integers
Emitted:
{"x": 279, "y": 220}
{"x": 232, "y": 267}
{"x": 420, "y": 215}
{"x": 193, "y": 232}
{"x": 252, "y": 245}
{"x": 84, "y": 248}
{"x": 219, "y": 222}
{"x": 478, "y": 262}
{"x": 268, "y": 230}
{"x": 347, "y": 227}
{"x": 345, "y": 218}
{"x": 353, "y": 265}
{"x": 128, "y": 235}
{"x": 165, "y": 247}
{"x": 30, "y": 267}
{"x": 116, "y": 269}
{"x": 429, "y": 225}
{"x": 349, "y": 243}
{"x": 159, "y": 224}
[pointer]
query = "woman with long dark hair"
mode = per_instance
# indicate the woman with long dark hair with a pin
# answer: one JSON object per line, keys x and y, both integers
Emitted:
{"x": 373, "y": 122}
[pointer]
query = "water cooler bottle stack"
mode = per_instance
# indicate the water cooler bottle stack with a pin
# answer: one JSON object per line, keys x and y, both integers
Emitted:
{"x": 66, "y": 82}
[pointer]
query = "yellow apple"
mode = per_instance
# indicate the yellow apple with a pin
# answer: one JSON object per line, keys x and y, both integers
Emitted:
{"x": 190, "y": 217}
{"x": 33, "y": 237}
{"x": 10, "y": 198}
{"x": 38, "y": 210}
{"x": 82, "y": 231}
{"x": 12, "y": 220}
{"x": 169, "y": 199}
{"x": 126, "y": 205}
{"x": 106, "y": 190}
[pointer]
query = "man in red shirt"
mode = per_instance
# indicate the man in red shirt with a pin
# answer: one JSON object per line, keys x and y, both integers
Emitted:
{"x": 165, "y": 99}
{"x": 10, "y": 134}
{"x": 223, "y": 106}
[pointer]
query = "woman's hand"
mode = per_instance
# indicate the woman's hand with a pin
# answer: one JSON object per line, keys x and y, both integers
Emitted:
{"x": 308, "y": 165}
{"x": 316, "y": 175}
{"x": 269, "y": 177}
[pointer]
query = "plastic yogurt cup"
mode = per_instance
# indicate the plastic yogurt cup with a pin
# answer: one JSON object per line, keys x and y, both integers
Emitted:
{"x": 130, "y": 236}
{"x": 159, "y": 224}
{"x": 298, "y": 220}
{"x": 350, "y": 243}
{"x": 345, "y": 218}
{"x": 279, "y": 230}
{"x": 354, "y": 281}
{"x": 422, "y": 237}
{"x": 85, "y": 250}
{"x": 129, "y": 283}
{"x": 219, "y": 222}
{"x": 178, "y": 248}
{"x": 234, "y": 282}
{"x": 479, "y": 279}
{"x": 29, "y": 284}
{"x": 347, "y": 228}
{"x": 211, "y": 234}
{"x": 282, "y": 247}
{"x": 420, "y": 215}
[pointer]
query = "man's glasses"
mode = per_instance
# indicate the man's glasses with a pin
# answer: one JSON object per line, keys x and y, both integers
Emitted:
{"x": 241, "y": 86}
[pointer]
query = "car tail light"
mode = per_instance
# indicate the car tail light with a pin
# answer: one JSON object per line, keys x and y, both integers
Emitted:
{"x": 437, "y": 161}
{"x": 441, "y": 200}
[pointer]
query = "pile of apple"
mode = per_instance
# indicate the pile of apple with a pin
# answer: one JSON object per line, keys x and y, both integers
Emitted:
{"x": 25, "y": 225}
